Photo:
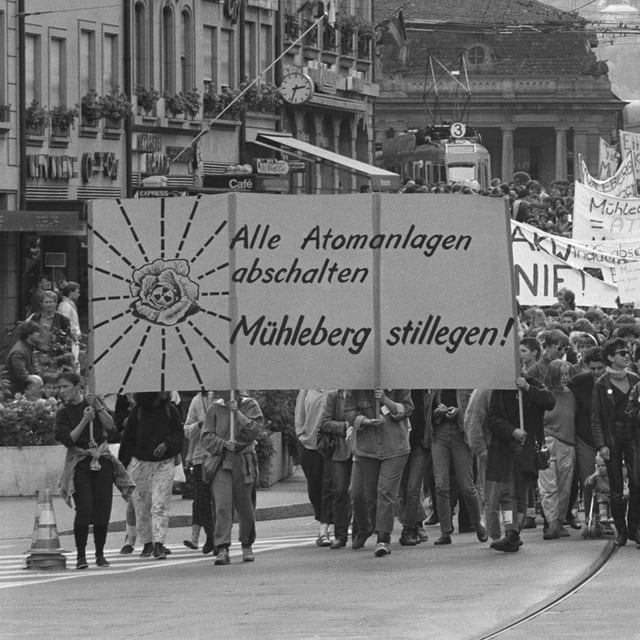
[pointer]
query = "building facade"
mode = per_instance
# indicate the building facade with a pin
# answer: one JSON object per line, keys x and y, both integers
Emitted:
{"x": 538, "y": 95}
{"x": 106, "y": 100}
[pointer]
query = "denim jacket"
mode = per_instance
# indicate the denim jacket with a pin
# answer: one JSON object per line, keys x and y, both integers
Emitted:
{"x": 389, "y": 440}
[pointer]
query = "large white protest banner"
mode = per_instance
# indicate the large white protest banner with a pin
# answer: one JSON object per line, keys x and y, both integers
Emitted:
{"x": 630, "y": 143}
{"x": 247, "y": 291}
{"x": 599, "y": 216}
{"x": 541, "y": 271}
{"x": 608, "y": 159}
{"x": 622, "y": 184}
{"x": 599, "y": 264}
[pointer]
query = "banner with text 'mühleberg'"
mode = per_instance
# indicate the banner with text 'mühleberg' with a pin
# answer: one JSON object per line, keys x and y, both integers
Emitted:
{"x": 241, "y": 291}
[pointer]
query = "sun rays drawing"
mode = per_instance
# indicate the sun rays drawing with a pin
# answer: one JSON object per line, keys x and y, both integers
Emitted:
{"x": 159, "y": 294}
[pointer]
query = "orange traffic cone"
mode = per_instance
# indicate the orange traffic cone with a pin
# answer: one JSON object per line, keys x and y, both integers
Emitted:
{"x": 45, "y": 553}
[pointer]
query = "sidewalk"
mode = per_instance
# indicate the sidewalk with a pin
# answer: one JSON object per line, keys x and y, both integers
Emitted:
{"x": 285, "y": 499}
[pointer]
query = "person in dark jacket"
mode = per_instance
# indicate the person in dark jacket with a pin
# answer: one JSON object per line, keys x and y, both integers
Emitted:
{"x": 20, "y": 359}
{"x": 613, "y": 425}
{"x": 152, "y": 438}
{"x": 582, "y": 387}
{"x": 512, "y": 450}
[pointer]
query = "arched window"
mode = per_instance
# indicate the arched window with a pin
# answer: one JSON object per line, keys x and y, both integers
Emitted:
{"x": 187, "y": 62}
{"x": 168, "y": 50}
{"x": 140, "y": 46}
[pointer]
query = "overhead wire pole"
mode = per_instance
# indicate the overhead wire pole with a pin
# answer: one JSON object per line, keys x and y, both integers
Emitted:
{"x": 206, "y": 130}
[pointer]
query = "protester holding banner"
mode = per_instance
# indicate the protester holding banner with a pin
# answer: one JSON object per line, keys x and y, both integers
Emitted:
{"x": 381, "y": 422}
{"x": 614, "y": 435}
{"x": 512, "y": 450}
{"x": 449, "y": 447}
{"x": 334, "y": 429}
{"x": 151, "y": 440}
{"x": 228, "y": 436}
{"x": 310, "y": 405}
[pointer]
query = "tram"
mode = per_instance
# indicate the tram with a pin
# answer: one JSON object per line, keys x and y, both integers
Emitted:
{"x": 435, "y": 159}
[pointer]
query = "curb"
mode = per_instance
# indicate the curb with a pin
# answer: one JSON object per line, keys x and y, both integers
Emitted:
{"x": 262, "y": 513}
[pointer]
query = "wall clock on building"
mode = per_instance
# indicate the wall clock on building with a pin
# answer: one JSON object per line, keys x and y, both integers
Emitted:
{"x": 296, "y": 88}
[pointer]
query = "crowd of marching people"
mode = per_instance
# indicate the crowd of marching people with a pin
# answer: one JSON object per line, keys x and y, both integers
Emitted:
{"x": 562, "y": 441}
{"x": 548, "y": 209}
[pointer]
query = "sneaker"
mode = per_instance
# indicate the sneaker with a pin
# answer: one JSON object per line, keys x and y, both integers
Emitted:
{"x": 382, "y": 549}
{"x": 338, "y": 543}
{"x": 509, "y": 544}
{"x": 147, "y": 550}
{"x": 207, "y": 547}
{"x": 81, "y": 562}
{"x": 101, "y": 561}
{"x": 247, "y": 554}
{"x": 158, "y": 551}
{"x": 189, "y": 544}
{"x": 445, "y": 538}
{"x": 166, "y": 550}
{"x": 127, "y": 549}
{"x": 222, "y": 557}
{"x": 529, "y": 523}
{"x": 573, "y": 522}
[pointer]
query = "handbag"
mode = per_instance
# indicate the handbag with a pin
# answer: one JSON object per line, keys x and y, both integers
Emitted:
{"x": 542, "y": 457}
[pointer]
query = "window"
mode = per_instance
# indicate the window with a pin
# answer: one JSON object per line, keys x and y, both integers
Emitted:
{"x": 57, "y": 74}
{"x": 209, "y": 55}
{"x": 266, "y": 51}
{"x": 250, "y": 49}
{"x": 3, "y": 56}
{"x": 477, "y": 55}
{"x": 32, "y": 68}
{"x": 226, "y": 57}
{"x": 168, "y": 51}
{"x": 110, "y": 75}
{"x": 140, "y": 44}
{"x": 87, "y": 63}
{"x": 186, "y": 53}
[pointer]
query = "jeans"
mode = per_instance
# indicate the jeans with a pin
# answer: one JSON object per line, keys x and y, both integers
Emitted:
{"x": 341, "y": 497}
{"x": 375, "y": 487}
{"x": 555, "y": 482}
{"x": 586, "y": 465}
{"x": 201, "y": 513}
{"x": 317, "y": 471}
{"x": 412, "y": 511}
{"x": 497, "y": 500}
{"x": 449, "y": 447}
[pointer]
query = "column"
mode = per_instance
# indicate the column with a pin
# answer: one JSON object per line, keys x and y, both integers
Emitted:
{"x": 561, "y": 153}
{"x": 507, "y": 152}
{"x": 318, "y": 164}
{"x": 580, "y": 148}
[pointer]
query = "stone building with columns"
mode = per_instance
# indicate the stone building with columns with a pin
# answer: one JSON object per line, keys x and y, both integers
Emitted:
{"x": 538, "y": 95}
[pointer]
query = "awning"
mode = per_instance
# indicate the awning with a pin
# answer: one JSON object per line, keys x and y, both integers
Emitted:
{"x": 381, "y": 179}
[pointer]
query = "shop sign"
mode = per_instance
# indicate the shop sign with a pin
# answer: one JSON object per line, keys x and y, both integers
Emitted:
{"x": 230, "y": 182}
{"x": 297, "y": 167}
{"x": 272, "y": 167}
{"x": 40, "y": 221}
{"x": 99, "y": 162}
{"x": 147, "y": 142}
{"x": 42, "y": 165}
{"x": 272, "y": 185}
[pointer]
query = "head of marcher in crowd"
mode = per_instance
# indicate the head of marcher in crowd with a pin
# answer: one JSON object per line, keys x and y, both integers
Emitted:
{"x": 594, "y": 359}
{"x": 530, "y": 351}
{"x": 581, "y": 342}
{"x": 568, "y": 318}
{"x": 555, "y": 343}
{"x": 624, "y": 308}
{"x": 558, "y": 375}
{"x": 584, "y": 326}
{"x": 617, "y": 354}
{"x": 535, "y": 317}
{"x": 70, "y": 387}
{"x": 49, "y": 303}
{"x": 49, "y": 389}
{"x": 150, "y": 399}
{"x": 567, "y": 298}
{"x": 71, "y": 290}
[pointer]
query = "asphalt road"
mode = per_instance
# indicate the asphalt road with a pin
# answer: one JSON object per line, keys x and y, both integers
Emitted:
{"x": 295, "y": 590}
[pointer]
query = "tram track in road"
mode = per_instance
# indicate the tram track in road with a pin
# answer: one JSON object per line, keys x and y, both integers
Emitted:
{"x": 567, "y": 591}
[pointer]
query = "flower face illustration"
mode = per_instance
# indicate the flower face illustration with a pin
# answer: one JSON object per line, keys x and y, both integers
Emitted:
{"x": 163, "y": 292}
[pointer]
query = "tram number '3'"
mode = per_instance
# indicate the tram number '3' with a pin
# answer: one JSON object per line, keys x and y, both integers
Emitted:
{"x": 458, "y": 130}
